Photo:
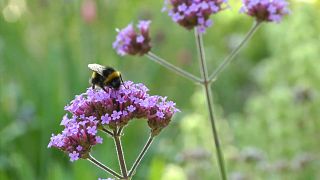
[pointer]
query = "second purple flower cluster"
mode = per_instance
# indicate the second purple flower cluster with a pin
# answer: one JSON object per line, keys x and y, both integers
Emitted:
{"x": 79, "y": 135}
{"x": 265, "y": 10}
{"x": 130, "y": 42}
{"x": 194, "y": 13}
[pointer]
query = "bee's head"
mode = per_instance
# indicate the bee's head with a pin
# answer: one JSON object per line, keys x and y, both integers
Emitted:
{"x": 115, "y": 83}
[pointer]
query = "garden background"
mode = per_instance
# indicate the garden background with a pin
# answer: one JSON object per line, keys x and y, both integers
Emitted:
{"x": 266, "y": 102}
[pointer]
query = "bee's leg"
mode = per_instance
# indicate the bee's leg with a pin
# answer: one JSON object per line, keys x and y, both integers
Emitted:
{"x": 104, "y": 89}
{"x": 122, "y": 81}
{"x": 93, "y": 86}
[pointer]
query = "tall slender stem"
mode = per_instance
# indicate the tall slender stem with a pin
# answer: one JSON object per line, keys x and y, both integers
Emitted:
{"x": 103, "y": 167}
{"x": 231, "y": 56}
{"x": 206, "y": 85}
{"x": 173, "y": 68}
{"x": 120, "y": 154}
{"x": 141, "y": 155}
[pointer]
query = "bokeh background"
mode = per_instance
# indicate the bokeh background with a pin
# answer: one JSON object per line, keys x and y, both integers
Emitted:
{"x": 267, "y": 102}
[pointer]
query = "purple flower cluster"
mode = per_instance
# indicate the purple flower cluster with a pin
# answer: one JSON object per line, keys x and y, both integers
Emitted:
{"x": 194, "y": 13}
{"x": 112, "y": 108}
{"x": 265, "y": 10}
{"x": 79, "y": 135}
{"x": 128, "y": 41}
{"x": 116, "y": 107}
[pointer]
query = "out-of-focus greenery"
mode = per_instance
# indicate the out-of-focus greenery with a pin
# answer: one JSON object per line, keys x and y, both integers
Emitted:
{"x": 267, "y": 102}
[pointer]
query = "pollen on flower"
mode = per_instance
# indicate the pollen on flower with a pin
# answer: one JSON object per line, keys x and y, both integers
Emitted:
{"x": 128, "y": 41}
{"x": 194, "y": 13}
{"x": 265, "y": 10}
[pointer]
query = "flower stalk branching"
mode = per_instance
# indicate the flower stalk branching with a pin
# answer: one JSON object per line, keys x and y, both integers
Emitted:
{"x": 234, "y": 52}
{"x": 103, "y": 167}
{"x": 173, "y": 68}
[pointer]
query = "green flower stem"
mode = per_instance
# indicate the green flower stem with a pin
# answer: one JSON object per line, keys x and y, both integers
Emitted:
{"x": 173, "y": 68}
{"x": 103, "y": 167}
{"x": 206, "y": 85}
{"x": 122, "y": 162}
{"x": 141, "y": 155}
{"x": 231, "y": 56}
{"x": 107, "y": 131}
{"x": 119, "y": 131}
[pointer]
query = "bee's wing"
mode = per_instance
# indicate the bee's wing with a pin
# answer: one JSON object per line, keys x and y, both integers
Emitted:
{"x": 97, "y": 68}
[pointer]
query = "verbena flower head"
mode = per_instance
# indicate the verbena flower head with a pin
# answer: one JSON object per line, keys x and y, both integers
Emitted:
{"x": 128, "y": 41}
{"x": 112, "y": 108}
{"x": 265, "y": 10}
{"x": 117, "y": 107}
{"x": 194, "y": 13}
{"x": 79, "y": 135}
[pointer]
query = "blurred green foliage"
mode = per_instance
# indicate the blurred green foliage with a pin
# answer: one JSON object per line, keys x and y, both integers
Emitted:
{"x": 267, "y": 102}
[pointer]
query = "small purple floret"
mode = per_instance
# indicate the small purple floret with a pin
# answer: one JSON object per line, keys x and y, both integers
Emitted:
{"x": 140, "y": 39}
{"x": 79, "y": 148}
{"x": 105, "y": 119}
{"x": 99, "y": 139}
{"x": 74, "y": 156}
{"x": 115, "y": 115}
{"x": 92, "y": 130}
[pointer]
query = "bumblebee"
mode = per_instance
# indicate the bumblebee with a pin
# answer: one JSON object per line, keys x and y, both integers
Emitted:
{"x": 104, "y": 76}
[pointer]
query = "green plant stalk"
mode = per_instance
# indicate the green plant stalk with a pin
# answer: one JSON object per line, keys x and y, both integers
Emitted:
{"x": 120, "y": 154}
{"x": 231, "y": 56}
{"x": 107, "y": 131}
{"x": 206, "y": 84}
{"x": 173, "y": 68}
{"x": 141, "y": 155}
{"x": 119, "y": 131}
{"x": 103, "y": 167}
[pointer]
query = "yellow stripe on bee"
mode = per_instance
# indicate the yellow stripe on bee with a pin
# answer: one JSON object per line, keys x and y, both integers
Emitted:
{"x": 113, "y": 75}
{"x": 94, "y": 74}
